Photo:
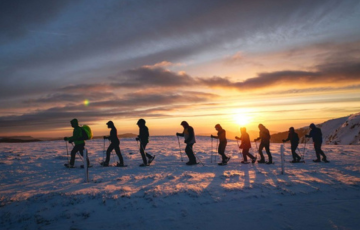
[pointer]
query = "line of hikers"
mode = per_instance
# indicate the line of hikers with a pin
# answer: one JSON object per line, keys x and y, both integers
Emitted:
{"x": 188, "y": 133}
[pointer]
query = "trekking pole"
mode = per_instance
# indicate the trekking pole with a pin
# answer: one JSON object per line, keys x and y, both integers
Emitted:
{"x": 211, "y": 150}
{"x": 197, "y": 159}
{"x": 104, "y": 152}
{"x": 179, "y": 148}
{"x": 217, "y": 144}
{"x": 256, "y": 151}
{"x": 303, "y": 155}
{"x": 67, "y": 151}
{"x": 239, "y": 148}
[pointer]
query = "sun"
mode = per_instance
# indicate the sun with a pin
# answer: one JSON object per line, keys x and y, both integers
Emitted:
{"x": 241, "y": 119}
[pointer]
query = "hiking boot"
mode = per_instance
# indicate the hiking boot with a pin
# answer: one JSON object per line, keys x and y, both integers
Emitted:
{"x": 69, "y": 166}
{"x": 120, "y": 165}
{"x": 143, "y": 165}
{"x": 104, "y": 164}
{"x": 317, "y": 160}
{"x": 244, "y": 162}
{"x": 294, "y": 161}
{"x": 227, "y": 159}
{"x": 253, "y": 160}
{"x": 269, "y": 162}
{"x": 151, "y": 159}
{"x": 324, "y": 160}
{"x": 191, "y": 163}
{"x": 261, "y": 162}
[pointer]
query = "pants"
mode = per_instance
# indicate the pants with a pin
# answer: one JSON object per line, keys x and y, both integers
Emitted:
{"x": 111, "y": 147}
{"x": 221, "y": 150}
{"x": 267, "y": 148}
{"x": 143, "y": 153}
{"x": 294, "y": 154}
{"x": 189, "y": 152}
{"x": 318, "y": 151}
{"x": 78, "y": 148}
{"x": 245, "y": 153}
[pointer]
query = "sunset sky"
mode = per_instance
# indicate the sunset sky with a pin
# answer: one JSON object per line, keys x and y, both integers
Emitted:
{"x": 238, "y": 63}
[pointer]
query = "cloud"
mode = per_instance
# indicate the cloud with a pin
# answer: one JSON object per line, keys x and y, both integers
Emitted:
{"x": 145, "y": 77}
{"x": 325, "y": 74}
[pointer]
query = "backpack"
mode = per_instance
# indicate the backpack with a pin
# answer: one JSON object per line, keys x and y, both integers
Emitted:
{"x": 87, "y": 133}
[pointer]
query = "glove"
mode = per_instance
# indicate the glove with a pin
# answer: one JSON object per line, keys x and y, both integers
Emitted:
{"x": 65, "y": 138}
{"x": 283, "y": 140}
{"x": 71, "y": 141}
{"x": 212, "y": 136}
{"x": 177, "y": 134}
{"x": 137, "y": 139}
{"x": 104, "y": 137}
{"x": 236, "y": 137}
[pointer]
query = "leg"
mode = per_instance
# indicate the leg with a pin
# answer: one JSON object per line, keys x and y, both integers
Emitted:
{"x": 267, "y": 148}
{"x": 142, "y": 151}
{"x": 221, "y": 151}
{"x": 189, "y": 152}
{"x": 261, "y": 146}
{"x": 249, "y": 154}
{"x": 317, "y": 151}
{"x": 295, "y": 156}
{"x": 108, "y": 152}
{"x": 81, "y": 151}
{"x": 320, "y": 152}
{"x": 244, "y": 153}
{"x": 118, "y": 153}
{"x": 73, "y": 153}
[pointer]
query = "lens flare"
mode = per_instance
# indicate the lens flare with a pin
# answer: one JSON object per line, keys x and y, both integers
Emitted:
{"x": 86, "y": 102}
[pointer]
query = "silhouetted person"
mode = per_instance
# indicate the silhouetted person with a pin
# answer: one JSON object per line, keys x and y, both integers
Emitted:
{"x": 221, "y": 135}
{"x": 245, "y": 146}
{"x": 189, "y": 136}
{"x": 265, "y": 143}
{"x": 294, "y": 140}
{"x": 316, "y": 136}
{"x": 144, "y": 140}
{"x": 78, "y": 139}
{"x": 115, "y": 144}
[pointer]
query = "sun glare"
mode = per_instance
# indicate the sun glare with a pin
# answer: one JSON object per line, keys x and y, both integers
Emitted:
{"x": 241, "y": 119}
{"x": 86, "y": 102}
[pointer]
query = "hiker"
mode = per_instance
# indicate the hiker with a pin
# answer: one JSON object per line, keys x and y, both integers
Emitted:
{"x": 78, "y": 138}
{"x": 245, "y": 146}
{"x": 221, "y": 136}
{"x": 189, "y": 136}
{"x": 293, "y": 137}
{"x": 144, "y": 140}
{"x": 316, "y": 136}
{"x": 115, "y": 144}
{"x": 265, "y": 143}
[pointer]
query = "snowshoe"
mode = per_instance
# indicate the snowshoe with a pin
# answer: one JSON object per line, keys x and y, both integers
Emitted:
{"x": 245, "y": 162}
{"x": 317, "y": 160}
{"x": 104, "y": 164}
{"x": 69, "y": 166}
{"x": 120, "y": 165}
{"x": 325, "y": 161}
{"x": 227, "y": 159}
{"x": 253, "y": 160}
{"x": 143, "y": 165}
{"x": 192, "y": 163}
{"x": 222, "y": 163}
{"x": 151, "y": 160}
{"x": 261, "y": 162}
{"x": 269, "y": 162}
{"x": 89, "y": 166}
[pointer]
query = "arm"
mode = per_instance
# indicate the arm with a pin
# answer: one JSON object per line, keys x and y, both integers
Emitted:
{"x": 288, "y": 138}
{"x": 77, "y": 134}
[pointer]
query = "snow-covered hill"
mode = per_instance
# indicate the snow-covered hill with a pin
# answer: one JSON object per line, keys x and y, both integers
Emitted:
{"x": 342, "y": 131}
{"x": 339, "y": 131}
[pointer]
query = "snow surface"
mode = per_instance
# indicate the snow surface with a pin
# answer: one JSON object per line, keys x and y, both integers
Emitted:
{"x": 38, "y": 192}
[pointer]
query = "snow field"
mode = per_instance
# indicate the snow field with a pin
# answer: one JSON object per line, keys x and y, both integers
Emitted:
{"x": 38, "y": 192}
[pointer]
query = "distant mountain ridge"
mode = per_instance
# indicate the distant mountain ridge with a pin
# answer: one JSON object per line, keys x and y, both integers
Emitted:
{"x": 339, "y": 131}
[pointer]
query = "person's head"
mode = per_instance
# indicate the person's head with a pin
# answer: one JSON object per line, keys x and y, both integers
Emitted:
{"x": 184, "y": 124}
{"x": 261, "y": 126}
{"x": 312, "y": 126}
{"x": 74, "y": 123}
{"x": 110, "y": 124}
{"x": 218, "y": 127}
{"x": 291, "y": 130}
{"x": 141, "y": 122}
{"x": 243, "y": 130}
